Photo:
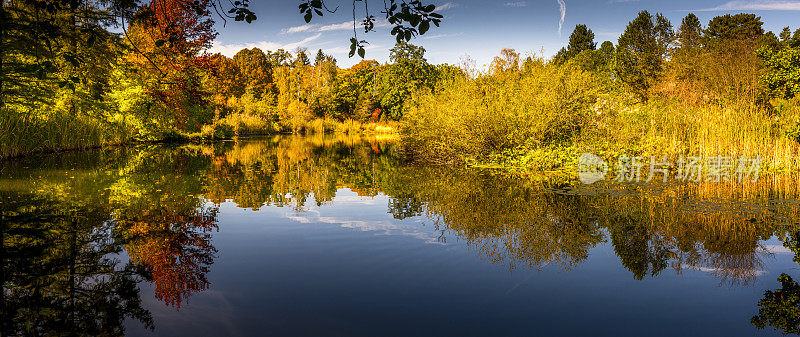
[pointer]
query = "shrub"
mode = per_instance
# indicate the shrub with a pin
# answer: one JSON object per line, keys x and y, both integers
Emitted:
{"x": 477, "y": 120}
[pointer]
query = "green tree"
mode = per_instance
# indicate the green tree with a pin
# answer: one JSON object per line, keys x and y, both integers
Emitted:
{"x": 689, "y": 55}
{"x": 739, "y": 26}
{"x": 641, "y": 51}
{"x": 599, "y": 61}
{"x": 783, "y": 69}
{"x": 320, "y": 57}
{"x": 301, "y": 58}
{"x": 690, "y": 33}
{"x": 581, "y": 39}
{"x": 726, "y": 66}
{"x": 410, "y": 71}
{"x": 792, "y": 40}
{"x": 406, "y": 52}
{"x": 640, "y": 250}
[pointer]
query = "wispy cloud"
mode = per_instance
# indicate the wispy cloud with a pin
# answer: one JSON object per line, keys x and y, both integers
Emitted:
{"x": 299, "y": 29}
{"x": 562, "y": 6}
{"x": 231, "y": 49}
{"x": 747, "y": 271}
{"x": 347, "y": 25}
{"x": 775, "y": 249}
{"x": 516, "y": 4}
{"x": 763, "y": 5}
{"x": 439, "y": 36}
{"x": 445, "y": 6}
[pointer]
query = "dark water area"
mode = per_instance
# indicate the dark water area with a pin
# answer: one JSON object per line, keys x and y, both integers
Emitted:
{"x": 337, "y": 236}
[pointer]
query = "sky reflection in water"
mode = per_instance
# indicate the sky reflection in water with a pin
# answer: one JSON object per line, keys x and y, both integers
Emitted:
{"x": 336, "y": 236}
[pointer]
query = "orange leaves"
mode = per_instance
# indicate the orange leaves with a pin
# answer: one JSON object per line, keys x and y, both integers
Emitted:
{"x": 176, "y": 250}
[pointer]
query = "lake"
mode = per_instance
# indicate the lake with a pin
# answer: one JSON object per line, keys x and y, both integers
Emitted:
{"x": 337, "y": 235}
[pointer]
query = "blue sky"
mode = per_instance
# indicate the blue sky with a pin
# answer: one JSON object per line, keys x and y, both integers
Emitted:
{"x": 478, "y": 29}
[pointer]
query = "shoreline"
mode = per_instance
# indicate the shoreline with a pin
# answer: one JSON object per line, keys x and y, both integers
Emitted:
{"x": 187, "y": 140}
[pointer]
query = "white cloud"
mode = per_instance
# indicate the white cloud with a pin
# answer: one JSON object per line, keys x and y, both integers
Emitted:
{"x": 445, "y": 6}
{"x": 298, "y": 29}
{"x": 380, "y": 226}
{"x": 231, "y": 49}
{"x": 562, "y": 7}
{"x": 439, "y": 36}
{"x": 775, "y": 249}
{"x": 763, "y": 5}
{"x": 516, "y": 4}
{"x": 339, "y": 26}
{"x": 347, "y": 25}
{"x": 748, "y": 271}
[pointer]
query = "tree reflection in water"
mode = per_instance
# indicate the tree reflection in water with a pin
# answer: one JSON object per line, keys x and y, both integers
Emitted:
{"x": 80, "y": 230}
{"x": 780, "y": 308}
{"x": 59, "y": 271}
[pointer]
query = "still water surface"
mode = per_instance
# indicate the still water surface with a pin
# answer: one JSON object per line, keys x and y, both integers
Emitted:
{"x": 312, "y": 236}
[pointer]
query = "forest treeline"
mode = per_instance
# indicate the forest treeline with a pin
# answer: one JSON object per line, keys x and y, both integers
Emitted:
{"x": 727, "y": 88}
{"x": 76, "y": 75}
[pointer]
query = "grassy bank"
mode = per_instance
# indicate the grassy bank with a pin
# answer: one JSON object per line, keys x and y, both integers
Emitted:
{"x": 22, "y": 134}
{"x": 30, "y": 133}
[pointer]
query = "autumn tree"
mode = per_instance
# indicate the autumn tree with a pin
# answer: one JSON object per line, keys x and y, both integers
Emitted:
{"x": 357, "y": 88}
{"x": 225, "y": 81}
{"x": 508, "y": 61}
{"x": 256, "y": 69}
{"x": 170, "y": 62}
{"x": 167, "y": 229}
{"x": 731, "y": 64}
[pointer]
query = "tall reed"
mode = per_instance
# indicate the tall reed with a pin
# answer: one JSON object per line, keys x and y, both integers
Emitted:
{"x": 22, "y": 133}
